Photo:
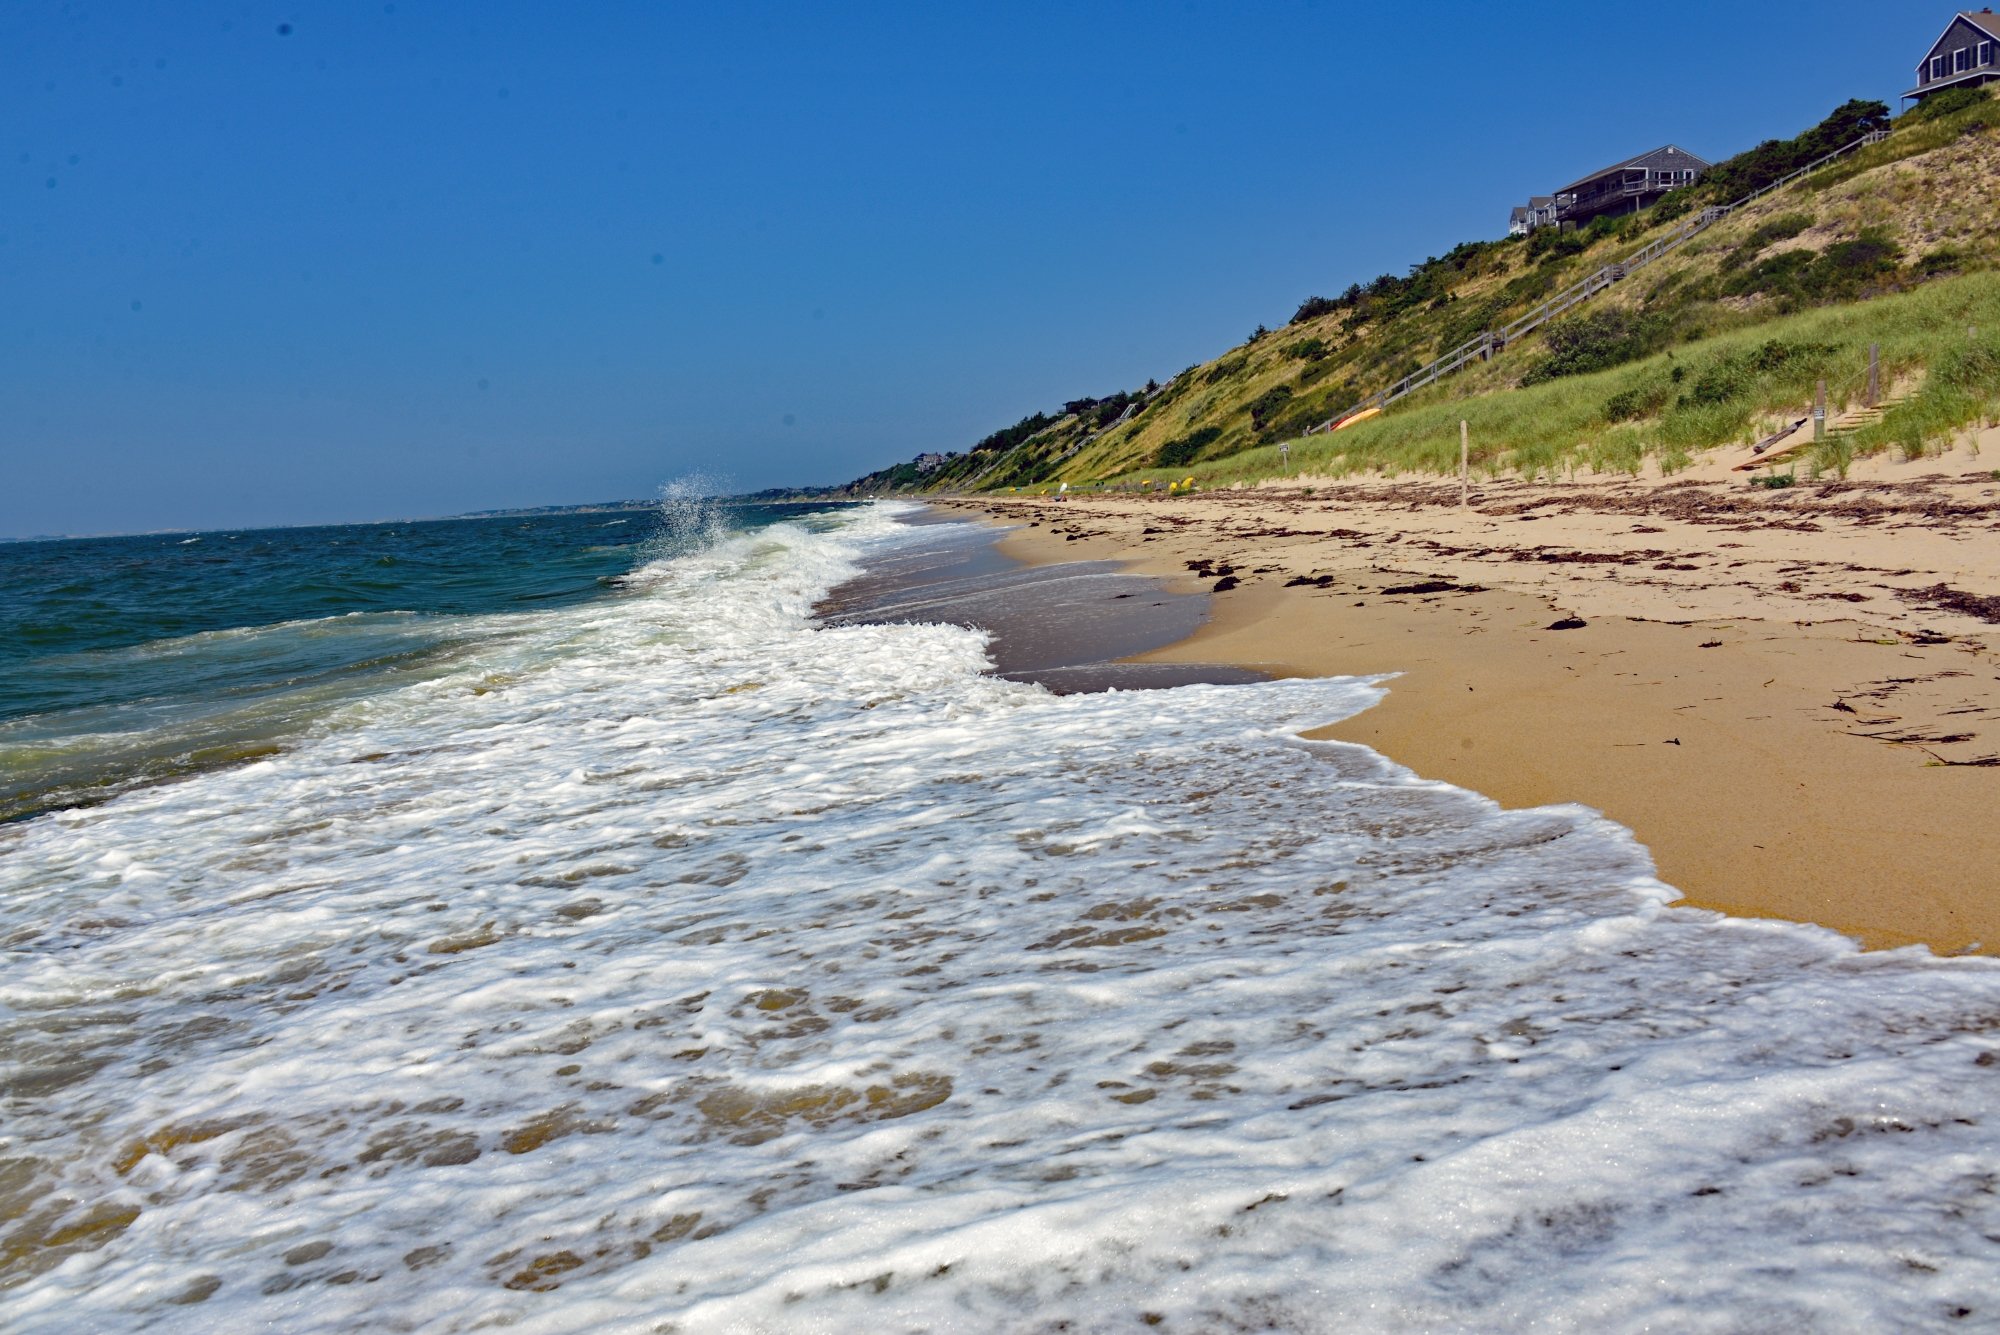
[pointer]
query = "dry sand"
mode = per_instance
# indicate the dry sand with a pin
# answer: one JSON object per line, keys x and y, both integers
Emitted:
{"x": 1792, "y": 697}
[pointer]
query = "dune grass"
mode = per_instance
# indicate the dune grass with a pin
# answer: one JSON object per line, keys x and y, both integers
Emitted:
{"x": 1727, "y": 388}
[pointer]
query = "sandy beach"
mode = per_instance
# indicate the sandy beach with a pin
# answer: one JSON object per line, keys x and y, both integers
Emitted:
{"x": 1791, "y": 696}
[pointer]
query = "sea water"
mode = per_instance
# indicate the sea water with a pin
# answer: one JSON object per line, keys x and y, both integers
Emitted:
{"x": 665, "y": 960}
{"x": 127, "y": 660}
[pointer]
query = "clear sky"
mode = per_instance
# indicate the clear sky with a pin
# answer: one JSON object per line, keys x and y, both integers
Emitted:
{"x": 310, "y": 261}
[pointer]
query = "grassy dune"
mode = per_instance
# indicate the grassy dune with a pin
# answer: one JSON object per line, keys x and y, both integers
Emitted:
{"x": 1727, "y": 388}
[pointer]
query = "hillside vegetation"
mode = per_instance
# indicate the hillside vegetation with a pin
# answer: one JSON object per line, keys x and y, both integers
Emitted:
{"x": 1898, "y": 244}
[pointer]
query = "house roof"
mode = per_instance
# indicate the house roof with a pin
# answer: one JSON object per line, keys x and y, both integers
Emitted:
{"x": 1628, "y": 163}
{"x": 1985, "y": 19}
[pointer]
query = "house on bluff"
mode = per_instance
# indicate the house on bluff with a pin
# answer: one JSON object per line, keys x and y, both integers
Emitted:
{"x": 1963, "y": 58}
{"x": 1623, "y": 187}
{"x": 1539, "y": 211}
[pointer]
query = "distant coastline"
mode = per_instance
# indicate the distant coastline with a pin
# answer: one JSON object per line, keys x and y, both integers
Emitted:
{"x": 588, "y": 508}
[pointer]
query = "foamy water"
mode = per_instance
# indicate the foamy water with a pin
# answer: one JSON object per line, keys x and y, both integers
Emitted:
{"x": 673, "y": 964}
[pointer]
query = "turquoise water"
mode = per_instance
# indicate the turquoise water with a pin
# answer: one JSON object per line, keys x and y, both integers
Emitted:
{"x": 127, "y": 660}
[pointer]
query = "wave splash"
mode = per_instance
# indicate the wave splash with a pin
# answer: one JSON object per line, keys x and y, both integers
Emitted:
{"x": 689, "y": 517}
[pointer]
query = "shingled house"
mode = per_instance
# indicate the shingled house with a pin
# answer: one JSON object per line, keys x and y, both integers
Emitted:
{"x": 1539, "y": 211}
{"x": 1623, "y": 187}
{"x": 1965, "y": 57}
{"x": 1628, "y": 186}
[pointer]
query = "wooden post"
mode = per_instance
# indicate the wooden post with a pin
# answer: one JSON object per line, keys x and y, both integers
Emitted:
{"x": 1819, "y": 413}
{"x": 1464, "y": 461}
{"x": 1874, "y": 375}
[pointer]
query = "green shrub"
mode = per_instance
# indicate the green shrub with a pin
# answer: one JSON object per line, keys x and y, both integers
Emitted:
{"x": 1774, "y": 158}
{"x": 1777, "y": 355}
{"x": 1718, "y": 384}
{"x": 1665, "y": 288}
{"x": 1848, "y": 267}
{"x": 1782, "y": 228}
{"x": 1781, "y": 274}
{"x": 1224, "y": 369}
{"x": 1587, "y": 343}
{"x": 1312, "y": 308}
{"x": 1308, "y": 350}
{"x": 1268, "y": 404}
{"x": 1181, "y": 451}
{"x": 1674, "y": 204}
{"x": 1945, "y": 103}
{"x": 1843, "y": 271}
{"x": 1609, "y": 225}
{"x": 1732, "y": 375}
{"x": 1943, "y": 260}
{"x": 1632, "y": 404}
{"x": 1547, "y": 244}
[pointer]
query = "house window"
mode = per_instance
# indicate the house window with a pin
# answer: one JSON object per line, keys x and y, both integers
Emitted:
{"x": 1940, "y": 66}
{"x": 1964, "y": 58}
{"x": 1985, "y": 53}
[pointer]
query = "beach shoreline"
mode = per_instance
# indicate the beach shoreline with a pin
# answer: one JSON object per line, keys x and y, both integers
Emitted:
{"x": 1791, "y": 697}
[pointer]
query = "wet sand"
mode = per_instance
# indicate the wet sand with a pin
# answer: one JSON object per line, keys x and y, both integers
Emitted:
{"x": 1070, "y": 626}
{"x": 1792, "y": 697}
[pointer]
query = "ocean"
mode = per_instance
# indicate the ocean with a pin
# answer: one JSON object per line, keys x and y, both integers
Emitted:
{"x": 552, "y": 924}
{"x": 129, "y": 660}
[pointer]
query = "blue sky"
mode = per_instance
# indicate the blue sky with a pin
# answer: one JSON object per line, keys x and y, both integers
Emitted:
{"x": 301, "y": 262}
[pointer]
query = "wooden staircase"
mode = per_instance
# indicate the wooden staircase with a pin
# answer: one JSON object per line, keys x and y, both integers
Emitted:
{"x": 1788, "y": 448}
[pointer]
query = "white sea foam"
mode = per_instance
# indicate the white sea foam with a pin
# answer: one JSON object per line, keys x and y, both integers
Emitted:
{"x": 673, "y": 964}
